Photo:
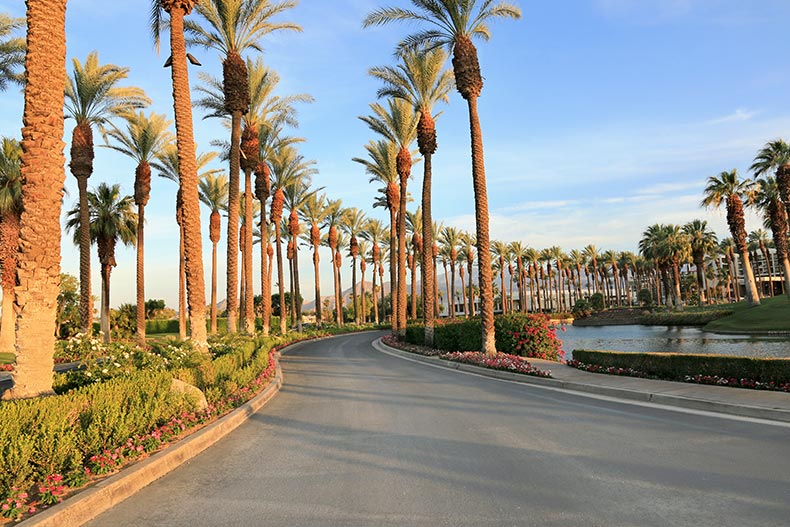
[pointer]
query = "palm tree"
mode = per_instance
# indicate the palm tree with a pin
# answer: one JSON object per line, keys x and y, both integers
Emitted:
{"x": 468, "y": 250}
{"x": 93, "y": 97}
{"x": 296, "y": 195}
{"x": 375, "y": 233}
{"x": 702, "y": 241}
{"x": 232, "y": 27}
{"x": 453, "y": 24}
{"x": 213, "y": 193}
{"x": 450, "y": 239}
{"x": 42, "y": 162}
{"x": 187, "y": 161}
{"x": 362, "y": 252}
{"x": 332, "y": 222}
{"x": 145, "y": 138}
{"x": 167, "y": 165}
{"x": 12, "y": 51}
{"x": 398, "y": 124}
{"x": 759, "y": 240}
{"x": 314, "y": 211}
{"x": 112, "y": 219}
{"x": 420, "y": 79}
{"x": 10, "y": 211}
{"x": 414, "y": 224}
{"x": 382, "y": 167}
{"x": 353, "y": 225}
{"x": 500, "y": 250}
{"x": 579, "y": 261}
{"x": 728, "y": 188}
{"x": 775, "y": 155}
{"x": 727, "y": 248}
{"x": 775, "y": 218}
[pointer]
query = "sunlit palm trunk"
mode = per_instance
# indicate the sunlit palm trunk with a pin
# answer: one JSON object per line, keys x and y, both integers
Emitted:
{"x": 297, "y": 296}
{"x": 86, "y": 297}
{"x": 280, "y": 277}
{"x": 9, "y": 245}
{"x": 354, "y": 288}
{"x": 234, "y": 171}
{"x": 414, "y": 286}
{"x": 363, "y": 304}
{"x": 340, "y": 299}
{"x": 471, "y": 290}
{"x": 394, "y": 270}
{"x": 213, "y": 287}
{"x": 106, "y": 269}
{"x": 182, "y": 288}
{"x": 451, "y": 291}
{"x": 751, "y": 289}
{"x": 266, "y": 300}
{"x": 375, "y": 300}
{"x": 428, "y": 270}
{"x": 318, "y": 307}
{"x": 450, "y": 311}
{"x": 463, "y": 291}
{"x": 402, "y": 260}
{"x": 249, "y": 297}
{"x": 43, "y": 175}
{"x": 196, "y": 295}
{"x": 140, "y": 276}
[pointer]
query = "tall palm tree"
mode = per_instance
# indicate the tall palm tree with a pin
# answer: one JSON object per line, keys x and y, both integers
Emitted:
{"x": 729, "y": 189}
{"x": 232, "y": 27}
{"x": 314, "y": 211}
{"x": 213, "y": 193}
{"x": 144, "y": 139}
{"x": 166, "y": 165}
{"x": 703, "y": 241}
{"x": 332, "y": 222}
{"x": 93, "y": 97}
{"x": 727, "y": 248}
{"x": 296, "y": 195}
{"x": 414, "y": 225}
{"x": 420, "y": 79}
{"x": 353, "y": 225}
{"x": 775, "y": 218}
{"x": 500, "y": 250}
{"x": 112, "y": 219}
{"x": 362, "y": 251}
{"x": 10, "y": 211}
{"x": 12, "y": 51}
{"x": 759, "y": 240}
{"x": 375, "y": 233}
{"x": 382, "y": 167}
{"x": 398, "y": 124}
{"x": 775, "y": 155}
{"x": 187, "y": 160}
{"x": 468, "y": 250}
{"x": 453, "y": 23}
{"x": 42, "y": 162}
{"x": 450, "y": 239}
{"x": 579, "y": 261}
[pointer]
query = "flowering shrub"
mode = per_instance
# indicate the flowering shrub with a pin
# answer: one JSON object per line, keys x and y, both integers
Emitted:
{"x": 501, "y": 361}
{"x": 15, "y": 505}
{"x": 529, "y": 336}
{"x": 52, "y": 491}
{"x": 6, "y": 367}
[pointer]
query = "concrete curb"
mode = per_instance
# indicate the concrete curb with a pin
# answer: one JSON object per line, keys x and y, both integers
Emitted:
{"x": 706, "y": 405}
{"x": 98, "y": 498}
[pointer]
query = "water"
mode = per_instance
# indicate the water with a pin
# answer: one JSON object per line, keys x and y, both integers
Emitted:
{"x": 671, "y": 339}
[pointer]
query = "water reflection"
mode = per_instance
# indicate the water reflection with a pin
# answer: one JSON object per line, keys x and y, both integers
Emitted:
{"x": 672, "y": 339}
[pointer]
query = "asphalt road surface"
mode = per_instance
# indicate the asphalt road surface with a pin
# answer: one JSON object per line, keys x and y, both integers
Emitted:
{"x": 357, "y": 437}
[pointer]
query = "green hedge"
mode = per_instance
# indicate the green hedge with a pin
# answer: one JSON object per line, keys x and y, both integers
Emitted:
{"x": 684, "y": 318}
{"x": 676, "y": 366}
{"x": 158, "y": 327}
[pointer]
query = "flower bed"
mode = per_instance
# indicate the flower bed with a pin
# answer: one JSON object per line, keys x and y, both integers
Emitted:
{"x": 744, "y": 372}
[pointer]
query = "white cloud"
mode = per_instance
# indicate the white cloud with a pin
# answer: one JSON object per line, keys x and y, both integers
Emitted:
{"x": 739, "y": 115}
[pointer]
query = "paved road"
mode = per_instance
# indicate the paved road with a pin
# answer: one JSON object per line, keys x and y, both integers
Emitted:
{"x": 361, "y": 438}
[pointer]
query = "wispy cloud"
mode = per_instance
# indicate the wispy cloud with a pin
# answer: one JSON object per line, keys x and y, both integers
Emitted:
{"x": 739, "y": 115}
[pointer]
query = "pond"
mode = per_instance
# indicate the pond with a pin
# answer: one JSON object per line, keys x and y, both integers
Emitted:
{"x": 671, "y": 339}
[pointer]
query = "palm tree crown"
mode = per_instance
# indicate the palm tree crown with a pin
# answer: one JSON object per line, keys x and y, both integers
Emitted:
{"x": 12, "y": 51}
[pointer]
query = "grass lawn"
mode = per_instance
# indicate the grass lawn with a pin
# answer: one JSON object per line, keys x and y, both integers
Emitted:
{"x": 773, "y": 314}
{"x": 6, "y": 358}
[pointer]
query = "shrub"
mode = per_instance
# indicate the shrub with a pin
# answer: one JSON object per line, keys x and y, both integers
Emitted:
{"x": 582, "y": 308}
{"x": 645, "y": 297}
{"x": 596, "y": 302}
{"x": 684, "y": 318}
{"x": 677, "y": 366}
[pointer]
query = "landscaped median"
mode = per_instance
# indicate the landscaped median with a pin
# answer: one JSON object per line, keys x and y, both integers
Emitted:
{"x": 720, "y": 370}
{"x": 125, "y": 404}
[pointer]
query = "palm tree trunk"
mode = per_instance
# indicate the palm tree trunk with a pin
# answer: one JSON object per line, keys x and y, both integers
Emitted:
{"x": 291, "y": 290}
{"x": 471, "y": 291}
{"x": 752, "y": 296}
{"x": 86, "y": 298}
{"x": 297, "y": 295}
{"x": 196, "y": 295}
{"x": 450, "y": 311}
{"x": 213, "y": 288}
{"x": 463, "y": 291}
{"x": 375, "y": 301}
{"x": 394, "y": 270}
{"x": 786, "y": 270}
{"x": 338, "y": 309}
{"x": 362, "y": 296}
{"x": 9, "y": 244}
{"x": 249, "y": 297}
{"x": 140, "y": 276}
{"x": 234, "y": 171}
{"x": 414, "y": 287}
{"x": 105, "y": 301}
{"x": 451, "y": 292}
{"x": 354, "y": 288}
{"x": 182, "y": 287}
{"x": 437, "y": 310}
{"x": 266, "y": 297}
{"x": 503, "y": 291}
{"x": 280, "y": 278}
{"x": 402, "y": 260}
{"x": 43, "y": 175}
{"x": 340, "y": 298}
{"x": 318, "y": 307}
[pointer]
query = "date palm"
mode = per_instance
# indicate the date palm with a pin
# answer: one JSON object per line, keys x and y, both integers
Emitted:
{"x": 374, "y": 231}
{"x": 362, "y": 251}
{"x": 759, "y": 240}
{"x": 295, "y": 197}
{"x": 332, "y": 222}
{"x": 187, "y": 160}
{"x": 500, "y": 250}
{"x": 314, "y": 211}
{"x": 354, "y": 222}
{"x": 450, "y": 240}
{"x": 532, "y": 259}
{"x": 727, "y": 188}
{"x": 421, "y": 80}
{"x": 579, "y": 261}
{"x": 453, "y": 24}
{"x": 166, "y": 164}
{"x": 112, "y": 220}
{"x": 93, "y": 97}
{"x": 382, "y": 167}
{"x": 610, "y": 258}
{"x": 10, "y": 212}
{"x": 703, "y": 241}
{"x": 231, "y": 27}
{"x": 12, "y": 51}
{"x": 397, "y": 123}
{"x": 775, "y": 218}
{"x": 414, "y": 225}
{"x": 145, "y": 138}
{"x": 775, "y": 155}
{"x": 468, "y": 244}
{"x": 213, "y": 192}
{"x": 42, "y": 172}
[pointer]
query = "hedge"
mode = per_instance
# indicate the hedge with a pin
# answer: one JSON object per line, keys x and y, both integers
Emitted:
{"x": 516, "y": 334}
{"x": 159, "y": 326}
{"x": 677, "y": 366}
{"x": 683, "y": 318}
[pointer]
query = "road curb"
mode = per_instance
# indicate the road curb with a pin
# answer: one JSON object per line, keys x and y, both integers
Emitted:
{"x": 706, "y": 405}
{"x": 90, "y": 503}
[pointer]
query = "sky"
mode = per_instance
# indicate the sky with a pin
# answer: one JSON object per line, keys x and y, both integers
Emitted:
{"x": 599, "y": 117}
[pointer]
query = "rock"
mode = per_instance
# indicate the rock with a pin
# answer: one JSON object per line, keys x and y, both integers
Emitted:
{"x": 192, "y": 391}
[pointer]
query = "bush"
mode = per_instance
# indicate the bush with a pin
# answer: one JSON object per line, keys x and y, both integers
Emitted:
{"x": 677, "y": 366}
{"x": 582, "y": 308}
{"x": 684, "y": 318}
{"x": 596, "y": 302}
{"x": 645, "y": 297}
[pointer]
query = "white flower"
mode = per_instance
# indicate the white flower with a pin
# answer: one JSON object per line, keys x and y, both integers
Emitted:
{"x": 104, "y": 370}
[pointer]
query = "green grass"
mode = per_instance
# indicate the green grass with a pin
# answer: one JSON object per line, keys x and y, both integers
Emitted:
{"x": 773, "y": 314}
{"x": 6, "y": 358}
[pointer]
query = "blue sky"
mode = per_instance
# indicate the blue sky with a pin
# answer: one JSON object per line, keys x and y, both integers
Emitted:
{"x": 600, "y": 117}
